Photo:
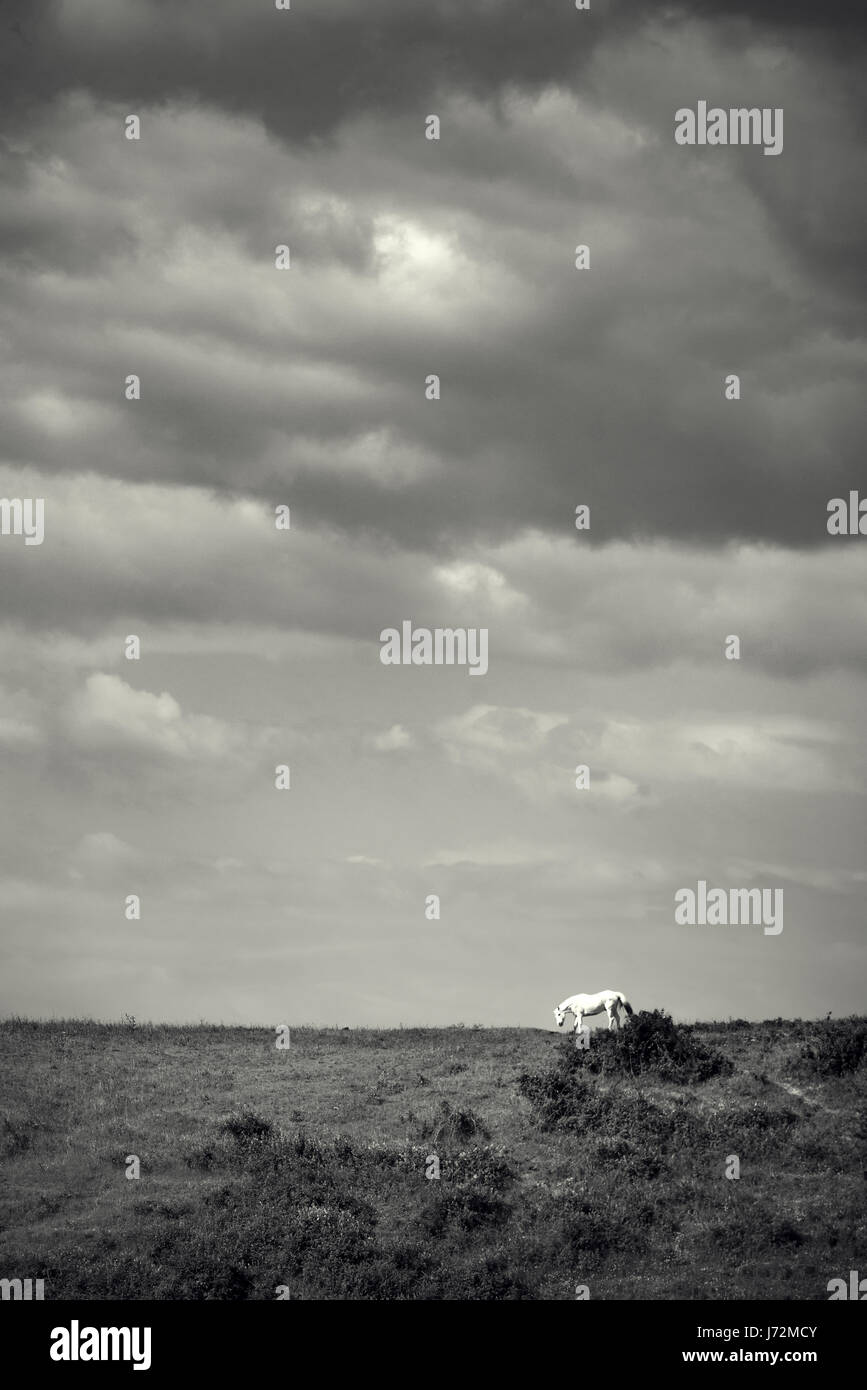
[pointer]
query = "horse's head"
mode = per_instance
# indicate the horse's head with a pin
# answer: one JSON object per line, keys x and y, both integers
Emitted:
{"x": 559, "y": 1015}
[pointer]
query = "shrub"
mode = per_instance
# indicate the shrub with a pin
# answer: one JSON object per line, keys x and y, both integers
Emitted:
{"x": 486, "y": 1166}
{"x": 565, "y": 1098}
{"x": 586, "y": 1225}
{"x": 465, "y": 1205}
{"x": 248, "y": 1129}
{"x": 454, "y": 1127}
{"x": 835, "y": 1048}
{"x": 653, "y": 1042}
{"x": 562, "y": 1097}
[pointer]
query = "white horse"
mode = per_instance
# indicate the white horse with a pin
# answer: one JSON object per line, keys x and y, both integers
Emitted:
{"x": 585, "y": 1005}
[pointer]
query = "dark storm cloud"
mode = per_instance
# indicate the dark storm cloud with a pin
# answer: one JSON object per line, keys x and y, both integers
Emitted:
{"x": 557, "y": 387}
{"x": 302, "y": 72}
{"x": 306, "y": 71}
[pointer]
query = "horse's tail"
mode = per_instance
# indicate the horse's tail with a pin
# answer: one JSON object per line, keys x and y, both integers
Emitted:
{"x": 626, "y": 1004}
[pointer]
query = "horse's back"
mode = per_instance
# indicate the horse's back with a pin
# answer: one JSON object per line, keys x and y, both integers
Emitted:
{"x": 591, "y": 1001}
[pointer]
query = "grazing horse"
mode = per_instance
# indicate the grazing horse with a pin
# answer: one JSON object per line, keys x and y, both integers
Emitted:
{"x": 585, "y": 1005}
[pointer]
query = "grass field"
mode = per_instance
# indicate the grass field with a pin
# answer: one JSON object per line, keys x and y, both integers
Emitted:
{"x": 307, "y": 1168}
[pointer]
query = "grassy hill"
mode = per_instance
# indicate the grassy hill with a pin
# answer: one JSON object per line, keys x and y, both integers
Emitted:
{"x": 307, "y": 1167}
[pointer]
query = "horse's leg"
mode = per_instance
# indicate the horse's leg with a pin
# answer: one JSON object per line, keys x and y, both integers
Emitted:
{"x": 613, "y": 1020}
{"x": 579, "y": 1022}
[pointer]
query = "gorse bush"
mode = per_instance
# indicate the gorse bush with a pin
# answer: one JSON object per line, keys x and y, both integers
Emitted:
{"x": 561, "y": 1097}
{"x": 628, "y": 1128}
{"x": 248, "y": 1129}
{"x": 454, "y": 1127}
{"x": 653, "y": 1042}
{"x": 465, "y": 1205}
{"x": 565, "y": 1097}
{"x": 482, "y": 1164}
{"x": 835, "y": 1048}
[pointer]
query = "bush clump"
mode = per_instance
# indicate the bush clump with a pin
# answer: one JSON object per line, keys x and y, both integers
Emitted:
{"x": 466, "y": 1206}
{"x": 653, "y": 1042}
{"x": 835, "y": 1048}
{"x": 561, "y": 1097}
{"x": 454, "y": 1127}
{"x": 248, "y": 1129}
{"x": 564, "y": 1097}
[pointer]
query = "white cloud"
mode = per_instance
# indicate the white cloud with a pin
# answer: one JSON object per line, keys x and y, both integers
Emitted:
{"x": 108, "y": 711}
{"x": 101, "y": 855}
{"x": 392, "y": 740}
{"x": 485, "y": 735}
{"x": 765, "y": 753}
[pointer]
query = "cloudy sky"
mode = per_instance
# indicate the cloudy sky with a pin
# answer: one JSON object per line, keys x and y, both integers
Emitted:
{"x": 306, "y": 387}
